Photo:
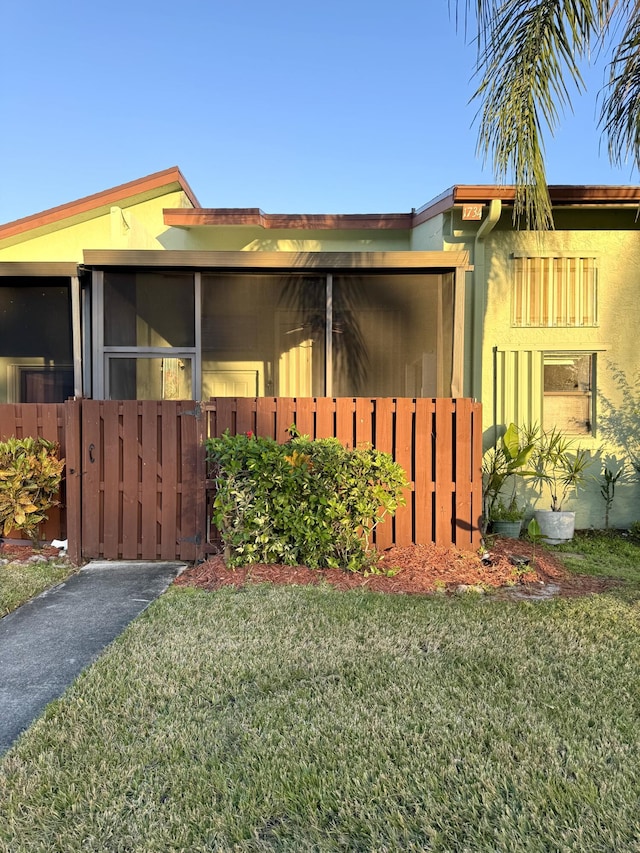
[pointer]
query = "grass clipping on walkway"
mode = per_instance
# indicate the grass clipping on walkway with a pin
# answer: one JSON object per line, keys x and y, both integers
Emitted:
{"x": 299, "y": 718}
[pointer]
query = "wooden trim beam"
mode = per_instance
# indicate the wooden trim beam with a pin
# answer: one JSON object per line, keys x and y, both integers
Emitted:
{"x": 276, "y": 261}
{"x": 48, "y": 269}
{"x": 253, "y": 216}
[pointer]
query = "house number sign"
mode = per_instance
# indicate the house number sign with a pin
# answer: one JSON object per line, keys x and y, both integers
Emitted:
{"x": 472, "y": 211}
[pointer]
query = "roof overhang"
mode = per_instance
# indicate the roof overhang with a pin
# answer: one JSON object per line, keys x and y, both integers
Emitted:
{"x": 91, "y": 206}
{"x": 253, "y": 216}
{"x": 562, "y": 195}
{"x": 277, "y": 261}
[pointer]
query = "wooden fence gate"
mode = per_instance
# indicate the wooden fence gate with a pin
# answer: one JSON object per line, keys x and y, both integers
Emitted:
{"x": 136, "y": 482}
{"x": 142, "y": 472}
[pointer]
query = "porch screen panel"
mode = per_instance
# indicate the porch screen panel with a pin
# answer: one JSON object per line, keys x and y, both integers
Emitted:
{"x": 263, "y": 335}
{"x": 36, "y": 350}
{"x": 148, "y": 310}
{"x": 392, "y": 335}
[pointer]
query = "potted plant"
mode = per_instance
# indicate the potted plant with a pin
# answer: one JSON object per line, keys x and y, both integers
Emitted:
{"x": 506, "y": 519}
{"x": 562, "y": 468}
{"x": 500, "y": 463}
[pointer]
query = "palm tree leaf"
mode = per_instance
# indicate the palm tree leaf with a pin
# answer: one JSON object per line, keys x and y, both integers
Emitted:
{"x": 529, "y": 57}
{"x": 620, "y": 112}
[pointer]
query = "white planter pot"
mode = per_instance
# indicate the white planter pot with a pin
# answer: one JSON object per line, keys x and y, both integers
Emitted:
{"x": 556, "y": 527}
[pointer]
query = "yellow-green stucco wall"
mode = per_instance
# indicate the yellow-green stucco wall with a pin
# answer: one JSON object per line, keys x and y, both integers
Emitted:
{"x": 512, "y": 357}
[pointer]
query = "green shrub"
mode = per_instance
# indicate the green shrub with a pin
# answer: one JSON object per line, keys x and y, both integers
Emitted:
{"x": 303, "y": 502}
{"x": 30, "y": 474}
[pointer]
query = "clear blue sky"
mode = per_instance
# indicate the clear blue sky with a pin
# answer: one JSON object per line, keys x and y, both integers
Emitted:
{"x": 295, "y": 107}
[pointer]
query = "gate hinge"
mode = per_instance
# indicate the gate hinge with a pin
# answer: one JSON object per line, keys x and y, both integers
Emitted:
{"x": 192, "y": 540}
{"x": 196, "y": 413}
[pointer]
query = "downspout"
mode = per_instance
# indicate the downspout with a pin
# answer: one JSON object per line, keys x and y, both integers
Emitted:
{"x": 479, "y": 293}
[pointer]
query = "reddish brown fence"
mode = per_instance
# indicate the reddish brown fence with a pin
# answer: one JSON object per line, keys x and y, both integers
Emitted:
{"x": 142, "y": 480}
{"x": 438, "y": 442}
{"x": 44, "y": 421}
{"x": 136, "y": 488}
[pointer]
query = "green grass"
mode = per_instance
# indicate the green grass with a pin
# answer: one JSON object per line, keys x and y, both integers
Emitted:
{"x": 306, "y": 719}
{"x": 612, "y": 554}
{"x": 21, "y": 581}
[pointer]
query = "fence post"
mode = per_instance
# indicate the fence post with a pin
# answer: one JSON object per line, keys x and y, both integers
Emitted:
{"x": 73, "y": 457}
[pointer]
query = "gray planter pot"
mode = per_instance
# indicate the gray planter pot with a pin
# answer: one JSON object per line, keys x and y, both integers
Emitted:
{"x": 511, "y": 529}
{"x": 556, "y": 527}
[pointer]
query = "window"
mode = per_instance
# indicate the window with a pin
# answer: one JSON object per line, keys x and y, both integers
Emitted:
{"x": 549, "y": 291}
{"x": 567, "y": 390}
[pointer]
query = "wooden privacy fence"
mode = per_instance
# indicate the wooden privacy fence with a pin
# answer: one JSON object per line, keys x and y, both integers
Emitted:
{"x": 42, "y": 420}
{"x": 136, "y": 482}
{"x": 438, "y": 442}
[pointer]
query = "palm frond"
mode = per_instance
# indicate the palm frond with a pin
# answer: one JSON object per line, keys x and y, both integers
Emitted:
{"x": 620, "y": 113}
{"x": 530, "y": 53}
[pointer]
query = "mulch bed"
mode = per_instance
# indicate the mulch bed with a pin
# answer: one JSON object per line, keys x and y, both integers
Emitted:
{"x": 422, "y": 569}
{"x": 21, "y": 553}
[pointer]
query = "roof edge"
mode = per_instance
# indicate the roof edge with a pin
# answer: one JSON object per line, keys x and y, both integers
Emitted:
{"x": 254, "y": 216}
{"x": 101, "y": 199}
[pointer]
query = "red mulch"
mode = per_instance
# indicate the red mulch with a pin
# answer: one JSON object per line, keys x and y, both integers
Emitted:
{"x": 21, "y": 553}
{"x": 423, "y": 569}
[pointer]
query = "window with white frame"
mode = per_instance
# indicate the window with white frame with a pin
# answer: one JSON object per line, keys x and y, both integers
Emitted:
{"x": 554, "y": 292}
{"x": 568, "y": 381}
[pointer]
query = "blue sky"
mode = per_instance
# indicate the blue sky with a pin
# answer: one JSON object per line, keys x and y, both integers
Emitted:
{"x": 295, "y": 107}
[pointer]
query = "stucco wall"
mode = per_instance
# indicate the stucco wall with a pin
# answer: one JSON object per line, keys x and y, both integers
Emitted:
{"x": 614, "y": 340}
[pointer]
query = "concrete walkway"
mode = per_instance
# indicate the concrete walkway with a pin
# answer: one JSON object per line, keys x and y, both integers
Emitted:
{"x": 46, "y": 643}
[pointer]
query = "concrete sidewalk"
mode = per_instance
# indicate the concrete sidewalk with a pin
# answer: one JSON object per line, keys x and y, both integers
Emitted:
{"x": 46, "y": 643}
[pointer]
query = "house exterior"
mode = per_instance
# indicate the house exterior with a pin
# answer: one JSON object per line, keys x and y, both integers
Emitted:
{"x": 140, "y": 293}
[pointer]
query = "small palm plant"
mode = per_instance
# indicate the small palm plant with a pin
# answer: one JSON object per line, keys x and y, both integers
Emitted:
{"x": 559, "y": 465}
{"x": 503, "y": 461}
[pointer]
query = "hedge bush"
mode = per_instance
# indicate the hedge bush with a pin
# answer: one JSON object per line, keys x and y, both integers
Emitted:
{"x": 305, "y": 502}
{"x": 30, "y": 475}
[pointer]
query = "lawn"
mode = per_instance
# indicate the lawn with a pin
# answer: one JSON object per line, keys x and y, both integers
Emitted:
{"x": 20, "y": 581}
{"x": 309, "y": 719}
